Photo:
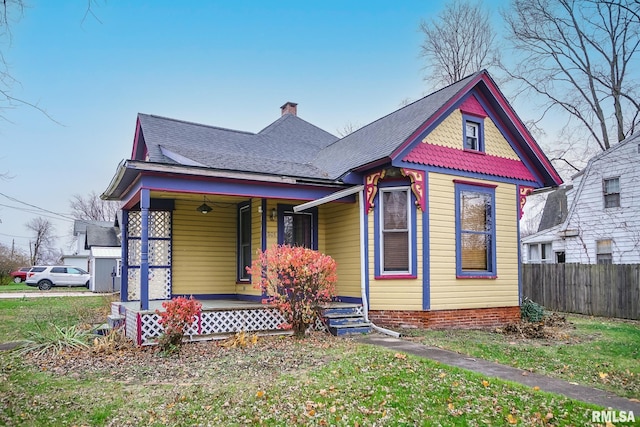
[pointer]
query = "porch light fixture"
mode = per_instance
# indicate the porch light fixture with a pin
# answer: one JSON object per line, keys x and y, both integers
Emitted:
{"x": 274, "y": 214}
{"x": 204, "y": 208}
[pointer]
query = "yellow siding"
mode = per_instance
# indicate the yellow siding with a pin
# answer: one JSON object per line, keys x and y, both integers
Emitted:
{"x": 341, "y": 225}
{"x": 203, "y": 255}
{"x": 449, "y": 134}
{"x": 447, "y": 292}
{"x": 395, "y": 294}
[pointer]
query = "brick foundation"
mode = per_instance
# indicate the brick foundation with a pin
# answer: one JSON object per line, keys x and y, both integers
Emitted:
{"x": 440, "y": 319}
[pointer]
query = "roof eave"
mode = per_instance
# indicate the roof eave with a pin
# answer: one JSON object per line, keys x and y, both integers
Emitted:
{"x": 129, "y": 170}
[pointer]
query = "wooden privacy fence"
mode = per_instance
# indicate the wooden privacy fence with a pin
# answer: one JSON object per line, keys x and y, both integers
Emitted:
{"x": 600, "y": 290}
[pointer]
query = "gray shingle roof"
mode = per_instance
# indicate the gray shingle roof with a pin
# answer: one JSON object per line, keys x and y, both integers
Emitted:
{"x": 101, "y": 236}
{"x": 555, "y": 209}
{"x": 80, "y": 225}
{"x": 285, "y": 147}
{"x": 289, "y": 146}
{"x": 380, "y": 138}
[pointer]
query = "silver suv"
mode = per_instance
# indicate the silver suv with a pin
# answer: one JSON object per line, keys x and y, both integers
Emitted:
{"x": 45, "y": 277}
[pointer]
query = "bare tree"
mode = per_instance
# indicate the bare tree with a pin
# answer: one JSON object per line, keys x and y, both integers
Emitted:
{"x": 41, "y": 246}
{"x": 11, "y": 12}
{"x": 579, "y": 55}
{"x": 460, "y": 42}
{"x": 92, "y": 207}
{"x": 347, "y": 129}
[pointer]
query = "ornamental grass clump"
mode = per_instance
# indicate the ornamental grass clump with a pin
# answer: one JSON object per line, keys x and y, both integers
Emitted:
{"x": 178, "y": 314}
{"x": 297, "y": 281}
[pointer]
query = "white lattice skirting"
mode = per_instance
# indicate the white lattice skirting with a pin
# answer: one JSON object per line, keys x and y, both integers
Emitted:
{"x": 144, "y": 327}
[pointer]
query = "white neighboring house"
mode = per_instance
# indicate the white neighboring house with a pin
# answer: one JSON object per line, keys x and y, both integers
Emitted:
{"x": 98, "y": 251}
{"x": 602, "y": 222}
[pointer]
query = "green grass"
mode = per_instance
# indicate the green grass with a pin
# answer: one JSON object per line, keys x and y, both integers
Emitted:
{"x": 281, "y": 381}
{"x": 365, "y": 386}
{"x": 22, "y": 287}
{"x": 21, "y": 315}
{"x": 599, "y": 352}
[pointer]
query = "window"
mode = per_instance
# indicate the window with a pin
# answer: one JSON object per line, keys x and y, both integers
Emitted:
{"x": 560, "y": 257}
{"x": 471, "y": 140}
{"x": 58, "y": 270}
{"x": 475, "y": 231}
{"x": 540, "y": 253}
{"x": 611, "y": 193}
{"x": 395, "y": 224}
{"x": 603, "y": 251}
{"x": 473, "y": 133}
{"x": 244, "y": 241}
{"x": 297, "y": 229}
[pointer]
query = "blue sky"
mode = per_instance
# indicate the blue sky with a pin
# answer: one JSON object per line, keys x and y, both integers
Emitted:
{"x": 224, "y": 63}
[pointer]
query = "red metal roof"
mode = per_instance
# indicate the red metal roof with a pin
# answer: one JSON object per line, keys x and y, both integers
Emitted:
{"x": 468, "y": 161}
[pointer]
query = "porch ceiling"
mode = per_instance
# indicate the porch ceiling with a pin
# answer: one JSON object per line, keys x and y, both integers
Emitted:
{"x": 196, "y": 197}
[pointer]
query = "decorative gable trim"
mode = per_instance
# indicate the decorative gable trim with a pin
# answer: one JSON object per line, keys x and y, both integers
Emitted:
{"x": 417, "y": 178}
{"x": 473, "y": 107}
{"x": 544, "y": 172}
{"x": 468, "y": 161}
{"x": 371, "y": 189}
{"x": 523, "y": 192}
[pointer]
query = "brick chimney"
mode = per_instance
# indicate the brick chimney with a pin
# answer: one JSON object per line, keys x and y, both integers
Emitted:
{"x": 289, "y": 108}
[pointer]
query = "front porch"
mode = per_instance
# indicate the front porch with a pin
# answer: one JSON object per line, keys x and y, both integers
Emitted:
{"x": 220, "y": 319}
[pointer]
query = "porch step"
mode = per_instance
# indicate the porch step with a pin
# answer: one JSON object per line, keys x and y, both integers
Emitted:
{"x": 356, "y": 328}
{"x": 345, "y": 320}
{"x": 341, "y": 311}
{"x": 115, "y": 320}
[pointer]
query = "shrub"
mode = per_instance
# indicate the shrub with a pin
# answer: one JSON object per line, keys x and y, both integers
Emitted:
{"x": 53, "y": 338}
{"x": 531, "y": 311}
{"x": 178, "y": 314}
{"x": 296, "y": 280}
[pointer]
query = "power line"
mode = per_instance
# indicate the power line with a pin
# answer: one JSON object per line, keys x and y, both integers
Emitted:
{"x": 34, "y": 206}
{"x": 17, "y": 237}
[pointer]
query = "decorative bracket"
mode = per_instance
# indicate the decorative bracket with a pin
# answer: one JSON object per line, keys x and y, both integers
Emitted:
{"x": 371, "y": 189}
{"x": 417, "y": 185}
{"x": 524, "y": 192}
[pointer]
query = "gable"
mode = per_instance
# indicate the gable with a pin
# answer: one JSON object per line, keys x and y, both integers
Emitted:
{"x": 449, "y": 134}
{"x": 442, "y": 147}
{"x": 509, "y": 145}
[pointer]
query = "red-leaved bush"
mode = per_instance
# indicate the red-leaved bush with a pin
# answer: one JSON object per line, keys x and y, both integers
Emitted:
{"x": 296, "y": 280}
{"x": 178, "y": 314}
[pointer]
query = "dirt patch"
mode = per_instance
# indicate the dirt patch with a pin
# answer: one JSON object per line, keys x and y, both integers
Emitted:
{"x": 552, "y": 327}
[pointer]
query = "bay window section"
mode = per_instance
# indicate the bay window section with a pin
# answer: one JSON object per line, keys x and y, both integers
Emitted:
{"x": 475, "y": 231}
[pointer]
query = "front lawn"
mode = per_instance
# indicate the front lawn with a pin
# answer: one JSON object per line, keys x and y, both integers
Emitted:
{"x": 20, "y": 315}
{"x": 595, "y": 352}
{"x": 320, "y": 380}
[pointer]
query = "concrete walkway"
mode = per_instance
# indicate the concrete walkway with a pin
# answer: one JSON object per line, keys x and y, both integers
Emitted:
{"x": 491, "y": 369}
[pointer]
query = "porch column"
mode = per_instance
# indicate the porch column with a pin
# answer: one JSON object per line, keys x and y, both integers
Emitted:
{"x": 144, "y": 249}
{"x": 124, "y": 263}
